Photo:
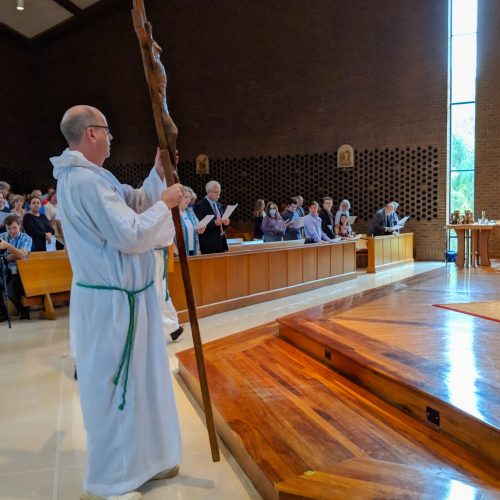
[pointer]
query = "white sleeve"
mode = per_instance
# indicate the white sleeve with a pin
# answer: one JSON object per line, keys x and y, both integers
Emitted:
{"x": 145, "y": 197}
{"x": 124, "y": 229}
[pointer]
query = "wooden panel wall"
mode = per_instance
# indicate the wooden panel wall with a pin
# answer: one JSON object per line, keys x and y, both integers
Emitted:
{"x": 231, "y": 280}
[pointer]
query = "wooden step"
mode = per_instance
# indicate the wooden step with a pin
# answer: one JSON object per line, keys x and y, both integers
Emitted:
{"x": 436, "y": 366}
{"x": 283, "y": 414}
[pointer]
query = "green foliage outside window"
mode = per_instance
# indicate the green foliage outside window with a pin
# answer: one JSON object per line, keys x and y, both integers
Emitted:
{"x": 462, "y": 191}
{"x": 462, "y": 154}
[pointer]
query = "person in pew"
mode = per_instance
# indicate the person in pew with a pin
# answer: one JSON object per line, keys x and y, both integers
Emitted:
{"x": 273, "y": 226}
{"x": 344, "y": 208}
{"x": 382, "y": 223}
{"x": 15, "y": 245}
{"x": 17, "y": 203}
{"x": 327, "y": 218}
{"x": 51, "y": 214}
{"x": 37, "y": 226}
{"x": 395, "y": 216}
{"x": 3, "y": 209}
{"x": 343, "y": 228}
{"x": 189, "y": 222}
{"x": 290, "y": 215}
{"x": 4, "y": 190}
{"x": 300, "y": 211}
{"x": 110, "y": 231}
{"x": 300, "y": 205}
{"x": 192, "y": 201}
{"x": 3, "y": 204}
{"x": 312, "y": 226}
{"x": 213, "y": 240}
{"x": 258, "y": 216}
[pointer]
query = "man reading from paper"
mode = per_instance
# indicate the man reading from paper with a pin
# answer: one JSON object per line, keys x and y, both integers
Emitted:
{"x": 115, "y": 324}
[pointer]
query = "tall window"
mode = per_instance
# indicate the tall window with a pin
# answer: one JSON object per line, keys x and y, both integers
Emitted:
{"x": 463, "y": 50}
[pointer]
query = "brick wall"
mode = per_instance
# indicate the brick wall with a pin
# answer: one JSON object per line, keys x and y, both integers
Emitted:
{"x": 265, "y": 80}
{"x": 15, "y": 110}
{"x": 487, "y": 184}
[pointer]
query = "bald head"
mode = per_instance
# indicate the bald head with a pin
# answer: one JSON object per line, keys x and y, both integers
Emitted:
{"x": 76, "y": 120}
{"x": 86, "y": 130}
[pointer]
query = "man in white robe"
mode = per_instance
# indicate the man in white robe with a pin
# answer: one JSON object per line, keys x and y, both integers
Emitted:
{"x": 116, "y": 329}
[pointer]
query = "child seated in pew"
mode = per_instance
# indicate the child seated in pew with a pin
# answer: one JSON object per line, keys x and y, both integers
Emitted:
{"x": 14, "y": 245}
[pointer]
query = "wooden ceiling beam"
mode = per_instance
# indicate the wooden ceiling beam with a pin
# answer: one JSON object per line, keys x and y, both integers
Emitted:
{"x": 83, "y": 15}
{"x": 13, "y": 34}
{"x": 70, "y": 6}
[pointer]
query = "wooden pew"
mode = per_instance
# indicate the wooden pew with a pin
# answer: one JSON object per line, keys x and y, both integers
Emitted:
{"x": 385, "y": 252}
{"x": 46, "y": 278}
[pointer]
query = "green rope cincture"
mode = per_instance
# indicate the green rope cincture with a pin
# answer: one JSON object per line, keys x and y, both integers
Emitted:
{"x": 127, "y": 350}
{"x": 165, "y": 272}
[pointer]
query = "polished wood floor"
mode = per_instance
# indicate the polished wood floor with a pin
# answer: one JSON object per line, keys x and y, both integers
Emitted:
{"x": 301, "y": 430}
{"x": 394, "y": 342}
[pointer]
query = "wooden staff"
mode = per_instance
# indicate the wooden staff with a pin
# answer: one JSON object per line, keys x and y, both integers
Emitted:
{"x": 167, "y": 136}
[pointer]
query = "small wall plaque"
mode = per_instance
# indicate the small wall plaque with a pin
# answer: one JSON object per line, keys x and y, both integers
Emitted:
{"x": 202, "y": 165}
{"x": 345, "y": 156}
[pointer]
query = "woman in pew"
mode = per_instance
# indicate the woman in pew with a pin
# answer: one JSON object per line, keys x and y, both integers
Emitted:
{"x": 17, "y": 204}
{"x": 273, "y": 226}
{"x": 37, "y": 226}
{"x": 189, "y": 221}
{"x": 343, "y": 228}
{"x": 344, "y": 208}
{"x": 258, "y": 217}
{"x": 51, "y": 214}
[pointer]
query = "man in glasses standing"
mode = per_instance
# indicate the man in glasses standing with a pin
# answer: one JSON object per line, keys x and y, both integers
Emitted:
{"x": 115, "y": 323}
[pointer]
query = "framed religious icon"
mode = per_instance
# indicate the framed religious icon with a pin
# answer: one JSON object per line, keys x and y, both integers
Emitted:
{"x": 345, "y": 156}
{"x": 202, "y": 165}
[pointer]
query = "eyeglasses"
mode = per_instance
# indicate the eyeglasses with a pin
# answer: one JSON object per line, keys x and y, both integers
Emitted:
{"x": 106, "y": 127}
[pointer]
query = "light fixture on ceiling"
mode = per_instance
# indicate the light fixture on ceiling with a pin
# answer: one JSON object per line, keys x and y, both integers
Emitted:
{"x": 20, "y": 5}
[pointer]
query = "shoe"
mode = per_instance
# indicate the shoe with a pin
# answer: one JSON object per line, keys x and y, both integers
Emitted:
{"x": 175, "y": 335}
{"x": 166, "y": 474}
{"x": 25, "y": 315}
{"x": 131, "y": 495}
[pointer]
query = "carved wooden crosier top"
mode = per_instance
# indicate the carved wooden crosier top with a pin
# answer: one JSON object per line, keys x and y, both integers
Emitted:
{"x": 157, "y": 78}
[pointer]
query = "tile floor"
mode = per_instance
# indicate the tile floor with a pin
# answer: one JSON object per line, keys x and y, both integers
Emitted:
{"x": 42, "y": 439}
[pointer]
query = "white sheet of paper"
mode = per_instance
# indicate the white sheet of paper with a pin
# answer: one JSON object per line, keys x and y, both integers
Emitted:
{"x": 402, "y": 221}
{"x": 229, "y": 210}
{"x": 204, "y": 222}
{"x": 352, "y": 219}
{"x": 281, "y": 225}
{"x": 297, "y": 223}
{"x": 50, "y": 246}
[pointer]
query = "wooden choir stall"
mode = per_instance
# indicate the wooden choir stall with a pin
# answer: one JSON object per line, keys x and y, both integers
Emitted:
{"x": 385, "y": 252}
{"x": 249, "y": 274}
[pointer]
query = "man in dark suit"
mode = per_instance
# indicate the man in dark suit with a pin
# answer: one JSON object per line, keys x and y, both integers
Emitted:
{"x": 382, "y": 222}
{"x": 213, "y": 240}
{"x": 327, "y": 218}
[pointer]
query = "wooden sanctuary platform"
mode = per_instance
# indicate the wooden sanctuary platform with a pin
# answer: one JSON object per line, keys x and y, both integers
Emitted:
{"x": 377, "y": 395}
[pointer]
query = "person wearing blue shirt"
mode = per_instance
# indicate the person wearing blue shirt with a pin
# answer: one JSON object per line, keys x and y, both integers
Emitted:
{"x": 14, "y": 245}
{"x": 312, "y": 225}
{"x": 291, "y": 214}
